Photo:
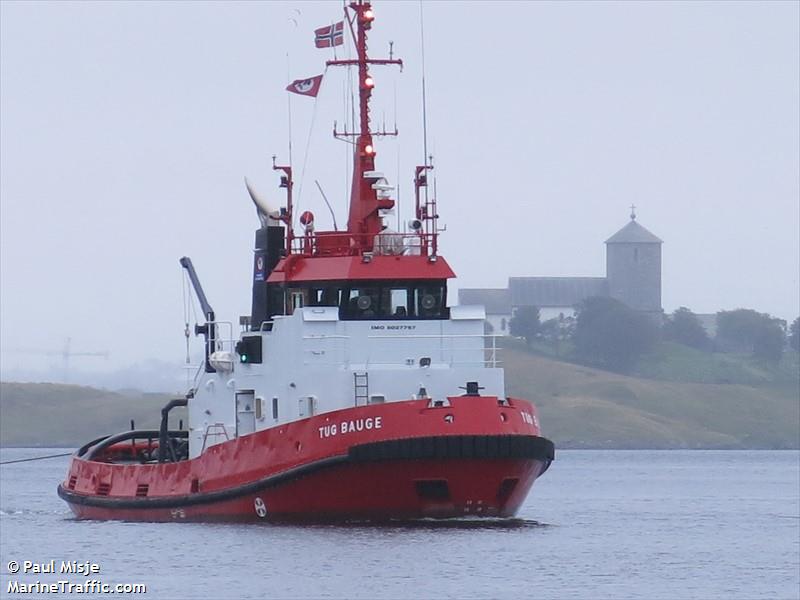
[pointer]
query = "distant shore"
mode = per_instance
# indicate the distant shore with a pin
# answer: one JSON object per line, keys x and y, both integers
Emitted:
{"x": 579, "y": 408}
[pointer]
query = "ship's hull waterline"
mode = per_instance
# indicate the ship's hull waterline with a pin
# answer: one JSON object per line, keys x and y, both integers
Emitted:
{"x": 473, "y": 456}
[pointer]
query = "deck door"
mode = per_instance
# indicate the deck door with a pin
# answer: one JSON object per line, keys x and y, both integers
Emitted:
{"x": 245, "y": 412}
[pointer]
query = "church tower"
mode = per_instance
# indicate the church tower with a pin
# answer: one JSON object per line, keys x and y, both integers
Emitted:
{"x": 633, "y": 267}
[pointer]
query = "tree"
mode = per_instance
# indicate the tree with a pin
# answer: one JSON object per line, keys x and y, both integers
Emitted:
{"x": 770, "y": 341}
{"x": 610, "y": 335}
{"x": 794, "y": 335}
{"x": 548, "y": 331}
{"x": 746, "y": 330}
{"x": 525, "y": 323}
{"x": 557, "y": 330}
{"x": 684, "y": 327}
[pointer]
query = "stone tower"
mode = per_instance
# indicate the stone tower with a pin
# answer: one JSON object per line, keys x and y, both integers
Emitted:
{"x": 633, "y": 267}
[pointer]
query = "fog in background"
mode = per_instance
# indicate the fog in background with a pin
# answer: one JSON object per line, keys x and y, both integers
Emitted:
{"x": 126, "y": 130}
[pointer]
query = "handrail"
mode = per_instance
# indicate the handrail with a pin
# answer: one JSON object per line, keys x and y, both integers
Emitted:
{"x": 209, "y": 433}
{"x": 343, "y": 243}
{"x": 219, "y": 341}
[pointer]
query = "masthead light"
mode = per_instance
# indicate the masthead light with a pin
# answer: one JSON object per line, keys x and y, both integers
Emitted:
{"x": 369, "y": 15}
{"x": 369, "y": 82}
{"x": 369, "y": 149}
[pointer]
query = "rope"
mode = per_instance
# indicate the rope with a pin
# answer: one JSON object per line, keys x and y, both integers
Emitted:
{"x": 185, "y": 316}
{"x": 19, "y": 460}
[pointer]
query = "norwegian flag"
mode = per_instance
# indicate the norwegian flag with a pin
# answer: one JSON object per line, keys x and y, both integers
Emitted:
{"x": 306, "y": 87}
{"x": 332, "y": 35}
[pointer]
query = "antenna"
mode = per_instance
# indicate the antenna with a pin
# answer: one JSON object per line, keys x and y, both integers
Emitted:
{"x": 288, "y": 81}
{"x": 429, "y": 210}
{"x": 289, "y": 105}
{"x": 424, "y": 99}
{"x": 324, "y": 197}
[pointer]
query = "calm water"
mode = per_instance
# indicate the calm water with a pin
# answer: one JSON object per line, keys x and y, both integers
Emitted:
{"x": 599, "y": 524}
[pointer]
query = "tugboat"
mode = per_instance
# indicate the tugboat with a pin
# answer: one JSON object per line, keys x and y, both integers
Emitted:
{"x": 353, "y": 391}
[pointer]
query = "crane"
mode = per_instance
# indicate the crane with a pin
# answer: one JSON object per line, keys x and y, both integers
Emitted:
{"x": 66, "y": 353}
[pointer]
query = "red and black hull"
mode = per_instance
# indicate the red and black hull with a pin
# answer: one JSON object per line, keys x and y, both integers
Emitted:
{"x": 475, "y": 457}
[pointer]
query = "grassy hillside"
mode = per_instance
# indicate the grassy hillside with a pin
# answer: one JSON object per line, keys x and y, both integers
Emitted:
{"x": 581, "y": 407}
{"x": 689, "y": 399}
{"x": 46, "y": 414}
{"x": 675, "y": 362}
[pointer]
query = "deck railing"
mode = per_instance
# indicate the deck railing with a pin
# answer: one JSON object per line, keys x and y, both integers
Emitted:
{"x": 349, "y": 244}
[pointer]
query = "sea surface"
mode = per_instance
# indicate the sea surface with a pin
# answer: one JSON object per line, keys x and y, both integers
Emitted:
{"x": 599, "y": 524}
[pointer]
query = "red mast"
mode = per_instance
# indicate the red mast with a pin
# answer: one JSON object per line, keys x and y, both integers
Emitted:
{"x": 364, "y": 221}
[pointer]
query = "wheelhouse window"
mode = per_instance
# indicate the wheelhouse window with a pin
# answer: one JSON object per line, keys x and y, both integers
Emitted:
{"x": 429, "y": 300}
{"x": 297, "y": 299}
{"x": 368, "y": 300}
{"x": 328, "y": 295}
{"x": 363, "y": 302}
{"x": 398, "y": 301}
{"x": 394, "y": 300}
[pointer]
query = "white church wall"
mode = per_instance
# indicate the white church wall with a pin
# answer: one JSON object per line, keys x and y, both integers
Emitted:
{"x": 499, "y": 324}
{"x": 553, "y": 312}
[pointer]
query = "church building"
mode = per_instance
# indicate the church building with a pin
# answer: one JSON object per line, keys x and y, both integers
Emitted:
{"x": 633, "y": 276}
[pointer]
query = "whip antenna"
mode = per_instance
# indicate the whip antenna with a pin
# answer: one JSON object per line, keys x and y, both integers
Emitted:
{"x": 324, "y": 197}
{"x": 424, "y": 100}
{"x": 289, "y": 105}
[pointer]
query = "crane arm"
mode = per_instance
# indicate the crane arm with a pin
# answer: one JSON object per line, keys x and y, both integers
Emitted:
{"x": 209, "y": 330}
{"x": 186, "y": 263}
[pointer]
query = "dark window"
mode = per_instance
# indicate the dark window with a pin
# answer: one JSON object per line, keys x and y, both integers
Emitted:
{"x": 363, "y": 302}
{"x": 315, "y": 297}
{"x": 274, "y": 408}
{"x": 429, "y": 300}
{"x": 297, "y": 299}
{"x": 368, "y": 300}
{"x": 394, "y": 300}
{"x": 332, "y": 296}
{"x": 324, "y": 296}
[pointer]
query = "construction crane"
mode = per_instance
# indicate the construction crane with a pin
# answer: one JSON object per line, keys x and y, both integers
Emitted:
{"x": 65, "y": 353}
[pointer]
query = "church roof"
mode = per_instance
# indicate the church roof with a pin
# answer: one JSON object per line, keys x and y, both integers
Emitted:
{"x": 633, "y": 233}
{"x": 554, "y": 291}
{"x": 495, "y": 301}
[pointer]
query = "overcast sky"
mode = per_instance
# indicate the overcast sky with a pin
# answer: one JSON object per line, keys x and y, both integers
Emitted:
{"x": 126, "y": 130}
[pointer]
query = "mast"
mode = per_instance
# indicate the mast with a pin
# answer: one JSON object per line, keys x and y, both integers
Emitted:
{"x": 364, "y": 220}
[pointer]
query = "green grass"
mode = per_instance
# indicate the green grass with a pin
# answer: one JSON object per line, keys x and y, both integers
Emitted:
{"x": 589, "y": 408}
{"x": 675, "y": 362}
{"x": 47, "y": 414}
{"x": 670, "y": 361}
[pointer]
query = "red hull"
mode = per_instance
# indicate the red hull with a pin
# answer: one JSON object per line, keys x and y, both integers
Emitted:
{"x": 477, "y": 457}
